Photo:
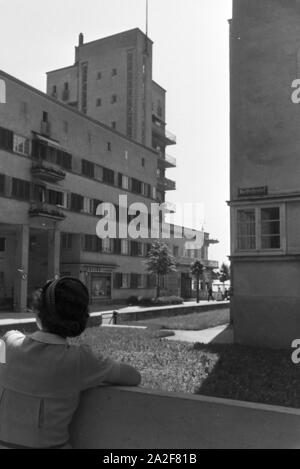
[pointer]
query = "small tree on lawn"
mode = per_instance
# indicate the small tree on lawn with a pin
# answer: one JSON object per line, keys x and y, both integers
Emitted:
{"x": 197, "y": 271}
{"x": 224, "y": 273}
{"x": 160, "y": 262}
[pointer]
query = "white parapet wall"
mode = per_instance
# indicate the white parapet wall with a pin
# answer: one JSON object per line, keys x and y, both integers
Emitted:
{"x": 134, "y": 418}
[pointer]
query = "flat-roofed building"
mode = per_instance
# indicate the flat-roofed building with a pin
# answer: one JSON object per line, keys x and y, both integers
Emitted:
{"x": 58, "y": 162}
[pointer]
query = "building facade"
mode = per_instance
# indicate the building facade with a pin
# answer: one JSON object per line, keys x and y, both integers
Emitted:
{"x": 60, "y": 157}
{"x": 265, "y": 169}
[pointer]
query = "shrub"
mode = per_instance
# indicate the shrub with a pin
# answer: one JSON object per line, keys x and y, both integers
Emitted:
{"x": 132, "y": 300}
{"x": 143, "y": 301}
{"x": 168, "y": 300}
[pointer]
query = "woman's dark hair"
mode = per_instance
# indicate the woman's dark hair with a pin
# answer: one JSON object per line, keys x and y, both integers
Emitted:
{"x": 62, "y": 306}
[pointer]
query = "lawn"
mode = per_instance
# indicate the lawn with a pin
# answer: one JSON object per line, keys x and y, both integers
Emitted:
{"x": 229, "y": 371}
{"x": 193, "y": 321}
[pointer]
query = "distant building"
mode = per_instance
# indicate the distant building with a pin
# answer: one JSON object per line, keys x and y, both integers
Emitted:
{"x": 265, "y": 169}
{"x": 60, "y": 156}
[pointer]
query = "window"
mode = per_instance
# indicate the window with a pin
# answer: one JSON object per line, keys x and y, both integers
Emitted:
{"x": 95, "y": 203}
{"x": 270, "y": 228}
{"x": 54, "y": 197}
{"x": 98, "y": 102}
{"x": 99, "y": 76}
{"x": 20, "y": 189}
{"x": 108, "y": 146}
{"x": 24, "y": 108}
{"x": 135, "y": 248}
{"x": 114, "y": 72}
{"x": 246, "y": 228}
{"x": 45, "y": 116}
{"x": 2, "y": 244}
{"x": 39, "y": 193}
{"x": 113, "y": 99}
{"x": 146, "y": 189}
{"x": 106, "y": 245}
{"x": 143, "y": 162}
{"x": 258, "y": 228}
{"x": 87, "y": 168}
{"x": 87, "y": 205}
{"x": 76, "y": 202}
{"x": 65, "y": 127}
{"x": 123, "y": 181}
{"x": 134, "y": 280}
{"x": 114, "y": 125}
{"x": 66, "y": 86}
{"x": 124, "y": 246}
{"x": 175, "y": 251}
{"x": 125, "y": 280}
{"x": 108, "y": 176}
{"x": 92, "y": 243}
{"x": 136, "y": 186}
{"x": 140, "y": 281}
{"x": 6, "y": 139}
{"x": 66, "y": 240}
{"x": 54, "y": 91}
{"x": 140, "y": 249}
{"x": 117, "y": 246}
{"x": 21, "y": 145}
{"x": 2, "y": 184}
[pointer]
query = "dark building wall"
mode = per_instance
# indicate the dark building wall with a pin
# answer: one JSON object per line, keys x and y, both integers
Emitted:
{"x": 265, "y": 149}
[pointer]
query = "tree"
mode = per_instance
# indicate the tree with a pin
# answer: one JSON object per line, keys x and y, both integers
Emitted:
{"x": 197, "y": 270}
{"x": 224, "y": 273}
{"x": 160, "y": 262}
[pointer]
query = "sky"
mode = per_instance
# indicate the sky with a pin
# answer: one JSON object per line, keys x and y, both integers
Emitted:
{"x": 190, "y": 60}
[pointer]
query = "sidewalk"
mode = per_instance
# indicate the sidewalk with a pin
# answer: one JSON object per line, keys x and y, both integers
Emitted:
{"x": 24, "y": 318}
{"x": 216, "y": 335}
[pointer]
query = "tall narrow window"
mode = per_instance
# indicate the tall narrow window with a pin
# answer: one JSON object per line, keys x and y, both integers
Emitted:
{"x": 84, "y": 74}
{"x": 246, "y": 230}
{"x": 270, "y": 228}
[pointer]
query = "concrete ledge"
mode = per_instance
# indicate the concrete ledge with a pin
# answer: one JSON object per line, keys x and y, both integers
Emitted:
{"x": 29, "y": 325}
{"x": 134, "y": 418}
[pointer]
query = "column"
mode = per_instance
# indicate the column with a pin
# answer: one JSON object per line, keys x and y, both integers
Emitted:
{"x": 53, "y": 253}
{"x": 21, "y": 269}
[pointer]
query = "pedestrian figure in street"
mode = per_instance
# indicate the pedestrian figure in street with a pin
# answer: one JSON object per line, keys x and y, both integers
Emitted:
{"x": 210, "y": 293}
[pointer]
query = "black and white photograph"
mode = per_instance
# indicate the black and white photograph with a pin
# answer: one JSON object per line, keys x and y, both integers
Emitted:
{"x": 150, "y": 227}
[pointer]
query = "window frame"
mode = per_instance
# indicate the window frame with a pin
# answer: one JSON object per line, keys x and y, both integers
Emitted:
{"x": 258, "y": 229}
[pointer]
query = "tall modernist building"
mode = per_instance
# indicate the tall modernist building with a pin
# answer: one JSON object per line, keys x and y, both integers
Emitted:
{"x": 265, "y": 171}
{"x": 98, "y": 133}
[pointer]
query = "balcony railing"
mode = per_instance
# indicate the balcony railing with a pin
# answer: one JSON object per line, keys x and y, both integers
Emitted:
{"x": 167, "y": 184}
{"x": 40, "y": 209}
{"x": 168, "y": 160}
{"x": 162, "y": 133}
{"x": 169, "y": 207}
{"x": 170, "y": 136}
{"x": 47, "y": 173}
